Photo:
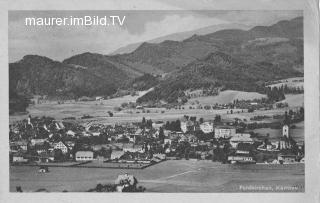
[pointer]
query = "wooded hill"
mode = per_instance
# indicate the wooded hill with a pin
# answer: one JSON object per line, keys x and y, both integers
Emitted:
{"x": 232, "y": 59}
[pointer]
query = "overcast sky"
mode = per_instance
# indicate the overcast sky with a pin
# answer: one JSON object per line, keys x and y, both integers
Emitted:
{"x": 61, "y": 42}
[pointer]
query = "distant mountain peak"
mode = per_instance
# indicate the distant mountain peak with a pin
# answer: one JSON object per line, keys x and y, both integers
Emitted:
{"x": 83, "y": 55}
{"x": 285, "y": 28}
{"x": 35, "y": 59}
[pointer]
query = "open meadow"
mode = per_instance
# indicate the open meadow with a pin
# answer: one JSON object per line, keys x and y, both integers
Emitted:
{"x": 290, "y": 82}
{"x": 227, "y": 96}
{"x": 99, "y": 109}
{"x": 168, "y": 176}
{"x": 99, "y": 113}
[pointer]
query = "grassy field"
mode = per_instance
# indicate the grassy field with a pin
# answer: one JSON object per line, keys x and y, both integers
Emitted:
{"x": 290, "y": 82}
{"x": 76, "y": 109}
{"x": 99, "y": 110}
{"x": 226, "y": 97}
{"x": 168, "y": 176}
{"x": 100, "y": 115}
{"x": 294, "y": 100}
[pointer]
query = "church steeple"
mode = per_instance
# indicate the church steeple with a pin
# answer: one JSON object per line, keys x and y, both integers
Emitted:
{"x": 285, "y": 131}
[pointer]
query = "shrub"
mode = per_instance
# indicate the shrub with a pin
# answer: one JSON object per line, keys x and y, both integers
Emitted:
{"x": 117, "y": 108}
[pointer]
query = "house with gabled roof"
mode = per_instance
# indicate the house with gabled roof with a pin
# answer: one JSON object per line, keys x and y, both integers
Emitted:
{"x": 62, "y": 146}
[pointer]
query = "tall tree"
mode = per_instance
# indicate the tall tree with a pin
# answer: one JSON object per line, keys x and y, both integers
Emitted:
{"x": 217, "y": 118}
{"x": 161, "y": 135}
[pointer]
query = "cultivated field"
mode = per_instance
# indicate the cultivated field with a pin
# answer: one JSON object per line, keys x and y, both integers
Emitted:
{"x": 99, "y": 109}
{"x": 225, "y": 97}
{"x": 100, "y": 115}
{"x": 168, "y": 176}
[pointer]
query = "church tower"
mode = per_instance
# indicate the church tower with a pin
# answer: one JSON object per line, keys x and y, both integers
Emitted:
{"x": 285, "y": 131}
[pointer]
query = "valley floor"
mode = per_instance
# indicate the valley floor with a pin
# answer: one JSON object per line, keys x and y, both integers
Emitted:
{"x": 99, "y": 110}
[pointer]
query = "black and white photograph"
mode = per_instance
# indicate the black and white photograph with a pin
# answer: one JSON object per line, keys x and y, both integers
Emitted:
{"x": 158, "y": 101}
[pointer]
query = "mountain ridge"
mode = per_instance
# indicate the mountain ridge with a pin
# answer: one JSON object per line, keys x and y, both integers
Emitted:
{"x": 273, "y": 52}
{"x": 179, "y": 36}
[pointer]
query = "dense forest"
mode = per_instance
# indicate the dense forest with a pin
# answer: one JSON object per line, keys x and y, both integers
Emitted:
{"x": 17, "y": 103}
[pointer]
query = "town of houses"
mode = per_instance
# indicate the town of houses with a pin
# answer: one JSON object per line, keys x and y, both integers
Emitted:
{"x": 45, "y": 140}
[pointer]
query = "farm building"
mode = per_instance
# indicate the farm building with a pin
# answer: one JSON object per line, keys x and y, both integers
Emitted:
{"x": 84, "y": 156}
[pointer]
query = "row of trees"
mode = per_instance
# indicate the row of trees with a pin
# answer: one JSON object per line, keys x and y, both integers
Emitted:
{"x": 146, "y": 123}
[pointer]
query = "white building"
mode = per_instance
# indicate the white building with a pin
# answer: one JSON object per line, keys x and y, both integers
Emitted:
{"x": 71, "y": 133}
{"x": 19, "y": 159}
{"x": 84, "y": 156}
{"x": 224, "y": 132}
{"x": 240, "y": 138}
{"x": 285, "y": 131}
{"x": 243, "y": 159}
{"x": 284, "y": 144}
{"x": 63, "y": 147}
{"x": 95, "y": 133}
{"x": 207, "y": 127}
{"x": 99, "y": 98}
{"x": 132, "y": 148}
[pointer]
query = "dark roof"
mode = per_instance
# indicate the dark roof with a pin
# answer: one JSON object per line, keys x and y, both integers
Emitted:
{"x": 45, "y": 147}
{"x": 244, "y": 147}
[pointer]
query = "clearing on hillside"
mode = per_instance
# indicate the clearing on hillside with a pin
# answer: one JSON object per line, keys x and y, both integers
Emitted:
{"x": 225, "y": 97}
{"x": 290, "y": 82}
{"x": 294, "y": 100}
